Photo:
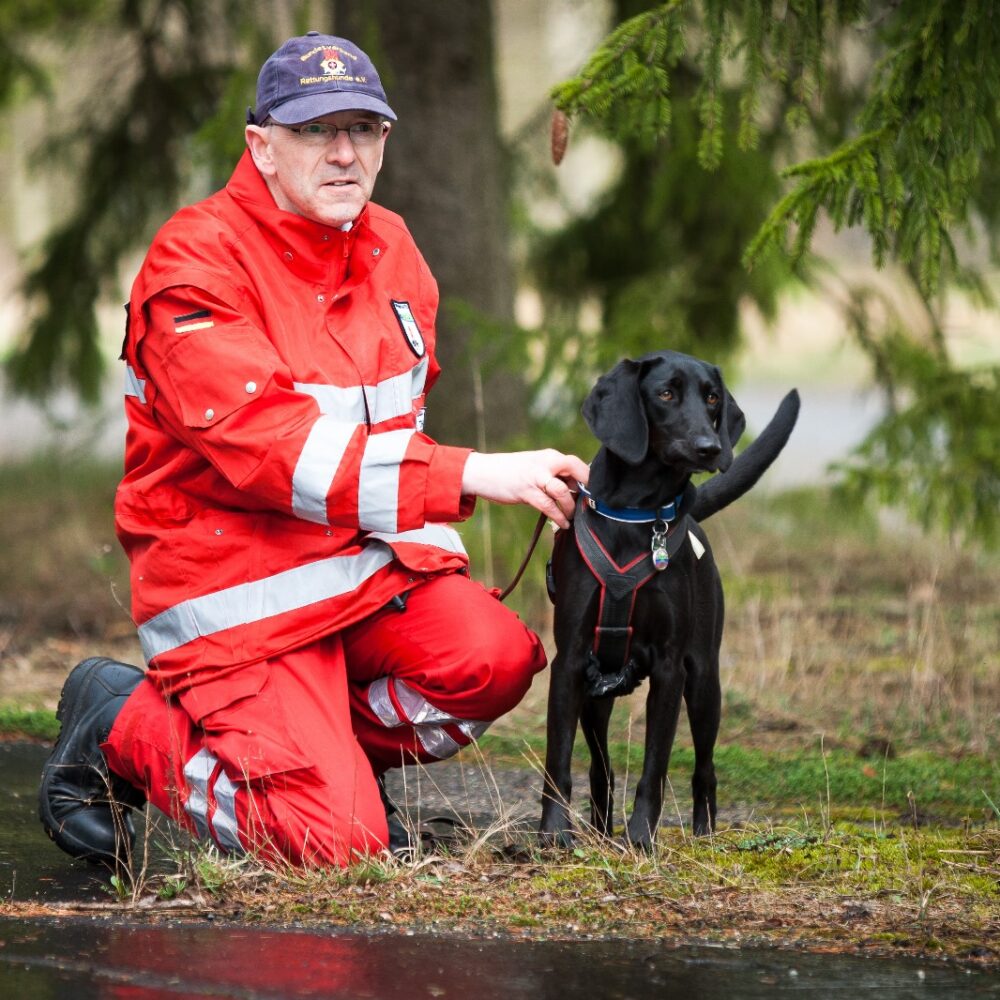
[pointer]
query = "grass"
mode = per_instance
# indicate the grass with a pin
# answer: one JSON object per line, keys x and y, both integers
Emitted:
{"x": 63, "y": 572}
{"x": 857, "y": 758}
{"x": 39, "y": 724}
{"x": 831, "y": 886}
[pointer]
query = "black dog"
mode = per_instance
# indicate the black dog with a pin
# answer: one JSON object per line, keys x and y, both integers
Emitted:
{"x": 635, "y": 586}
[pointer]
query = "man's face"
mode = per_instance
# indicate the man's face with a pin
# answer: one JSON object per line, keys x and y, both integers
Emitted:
{"x": 327, "y": 181}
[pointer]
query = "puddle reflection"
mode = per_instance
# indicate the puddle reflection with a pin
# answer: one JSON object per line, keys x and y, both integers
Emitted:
{"x": 111, "y": 959}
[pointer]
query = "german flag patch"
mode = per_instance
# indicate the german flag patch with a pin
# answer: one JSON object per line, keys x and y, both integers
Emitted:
{"x": 199, "y": 320}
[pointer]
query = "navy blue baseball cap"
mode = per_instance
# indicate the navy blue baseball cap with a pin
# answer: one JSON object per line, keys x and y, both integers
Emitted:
{"x": 314, "y": 75}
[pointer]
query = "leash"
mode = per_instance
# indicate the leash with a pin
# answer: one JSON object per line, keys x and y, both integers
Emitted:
{"x": 539, "y": 525}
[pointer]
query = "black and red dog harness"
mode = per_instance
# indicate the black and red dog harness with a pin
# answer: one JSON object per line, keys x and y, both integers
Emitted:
{"x": 611, "y": 670}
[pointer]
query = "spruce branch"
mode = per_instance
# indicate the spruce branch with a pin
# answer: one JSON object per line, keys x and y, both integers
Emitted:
{"x": 630, "y": 63}
{"x": 823, "y": 182}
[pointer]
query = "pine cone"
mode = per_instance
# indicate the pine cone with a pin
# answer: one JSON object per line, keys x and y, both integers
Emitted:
{"x": 559, "y": 135}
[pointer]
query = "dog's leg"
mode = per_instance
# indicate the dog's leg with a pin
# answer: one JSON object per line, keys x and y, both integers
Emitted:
{"x": 565, "y": 698}
{"x": 663, "y": 704}
{"x": 703, "y": 695}
{"x": 594, "y": 722}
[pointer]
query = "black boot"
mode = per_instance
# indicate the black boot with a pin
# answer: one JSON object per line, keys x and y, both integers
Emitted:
{"x": 84, "y": 808}
{"x": 400, "y": 841}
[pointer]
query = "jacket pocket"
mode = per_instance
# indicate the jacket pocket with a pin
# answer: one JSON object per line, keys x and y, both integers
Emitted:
{"x": 214, "y": 372}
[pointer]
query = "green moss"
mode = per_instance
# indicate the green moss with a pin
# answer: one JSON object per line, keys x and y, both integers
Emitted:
{"x": 39, "y": 724}
{"x": 892, "y": 937}
{"x": 986, "y": 885}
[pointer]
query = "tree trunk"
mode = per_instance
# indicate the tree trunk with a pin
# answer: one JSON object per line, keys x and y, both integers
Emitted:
{"x": 444, "y": 173}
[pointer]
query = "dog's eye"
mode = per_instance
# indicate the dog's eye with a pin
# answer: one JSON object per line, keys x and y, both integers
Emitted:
{"x": 712, "y": 398}
{"x": 667, "y": 395}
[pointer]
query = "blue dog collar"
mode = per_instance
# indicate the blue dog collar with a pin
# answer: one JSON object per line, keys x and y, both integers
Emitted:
{"x": 633, "y": 515}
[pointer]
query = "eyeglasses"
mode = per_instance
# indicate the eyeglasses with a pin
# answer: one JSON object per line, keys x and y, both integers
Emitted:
{"x": 320, "y": 133}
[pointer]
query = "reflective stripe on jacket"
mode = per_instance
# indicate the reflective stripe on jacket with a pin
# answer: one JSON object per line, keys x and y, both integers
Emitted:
{"x": 278, "y": 485}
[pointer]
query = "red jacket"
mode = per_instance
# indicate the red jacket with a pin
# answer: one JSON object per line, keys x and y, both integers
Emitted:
{"x": 277, "y": 485}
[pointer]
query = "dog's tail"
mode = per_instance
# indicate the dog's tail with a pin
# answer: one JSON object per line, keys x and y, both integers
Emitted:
{"x": 721, "y": 490}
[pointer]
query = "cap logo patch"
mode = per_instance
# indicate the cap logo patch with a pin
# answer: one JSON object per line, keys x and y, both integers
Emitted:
{"x": 333, "y": 64}
{"x": 411, "y": 332}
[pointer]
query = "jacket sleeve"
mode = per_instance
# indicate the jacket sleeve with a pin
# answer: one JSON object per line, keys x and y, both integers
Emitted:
{"x": 223, "y": 390}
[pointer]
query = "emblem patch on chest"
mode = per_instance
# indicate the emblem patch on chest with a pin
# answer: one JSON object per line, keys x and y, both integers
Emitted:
{"x": 409, "y": 327}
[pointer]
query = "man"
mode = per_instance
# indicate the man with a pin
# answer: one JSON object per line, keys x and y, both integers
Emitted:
{"x": 304, "y": 609}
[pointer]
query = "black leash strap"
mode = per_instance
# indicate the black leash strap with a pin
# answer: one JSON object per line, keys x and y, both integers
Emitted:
{"x": 527, "y": 556}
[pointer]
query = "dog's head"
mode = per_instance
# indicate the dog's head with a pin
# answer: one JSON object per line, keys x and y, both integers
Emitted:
{"x": 670, "y": 405}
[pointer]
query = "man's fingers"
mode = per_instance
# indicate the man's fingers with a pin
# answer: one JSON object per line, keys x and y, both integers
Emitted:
{"x": 567, "y": 468}
{"x": 559, "y": 499}
{"x": 553, "y": 511}
{"x": 577, "y": 470}
{"x": 556, "y": 501}
{"x": 561, "y": 494}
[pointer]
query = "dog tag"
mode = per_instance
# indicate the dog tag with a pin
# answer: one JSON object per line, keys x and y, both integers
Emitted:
{"x": 661, "y": 559}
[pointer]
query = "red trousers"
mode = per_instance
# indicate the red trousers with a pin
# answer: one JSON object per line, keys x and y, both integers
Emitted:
{"x": 287, "y": 766}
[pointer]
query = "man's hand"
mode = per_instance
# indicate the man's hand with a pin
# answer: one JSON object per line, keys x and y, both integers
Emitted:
{"x": 541, "y": 479}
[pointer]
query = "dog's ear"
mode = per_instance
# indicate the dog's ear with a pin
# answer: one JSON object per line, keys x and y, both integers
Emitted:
{"x": 616, "y": 414}
{"x": 732, "y": 423}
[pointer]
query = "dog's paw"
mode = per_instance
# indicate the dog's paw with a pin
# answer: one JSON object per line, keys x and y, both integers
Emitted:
{"x": 643, "y": 845}
{"x": 561, "y": 838}
{"x": 703, "y": 820}
{"x": 639, "y": 837}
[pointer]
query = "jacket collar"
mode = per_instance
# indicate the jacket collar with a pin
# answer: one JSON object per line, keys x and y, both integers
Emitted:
{"x": 310, "y": 250}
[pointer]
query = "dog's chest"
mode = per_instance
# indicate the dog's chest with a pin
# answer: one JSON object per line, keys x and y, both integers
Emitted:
{"x": 662, "y": 611}
{"x": 661, "y": 599}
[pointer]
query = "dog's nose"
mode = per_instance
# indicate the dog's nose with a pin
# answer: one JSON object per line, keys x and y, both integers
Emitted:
{"x": 707, "y": 448}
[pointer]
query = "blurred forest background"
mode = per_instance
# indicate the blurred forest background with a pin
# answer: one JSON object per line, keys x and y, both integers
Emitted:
{"x": 804, "y": 192}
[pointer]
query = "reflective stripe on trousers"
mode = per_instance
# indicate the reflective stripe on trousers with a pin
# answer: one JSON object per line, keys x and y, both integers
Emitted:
{"x": 212, "y": 814}
{"x": 428, "y": 722}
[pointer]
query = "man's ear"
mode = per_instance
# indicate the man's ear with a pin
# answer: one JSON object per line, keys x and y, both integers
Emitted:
{"x": 616, "y": 414}
{"x": 259, "y": 144}
{"x": 731, "y": 425}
